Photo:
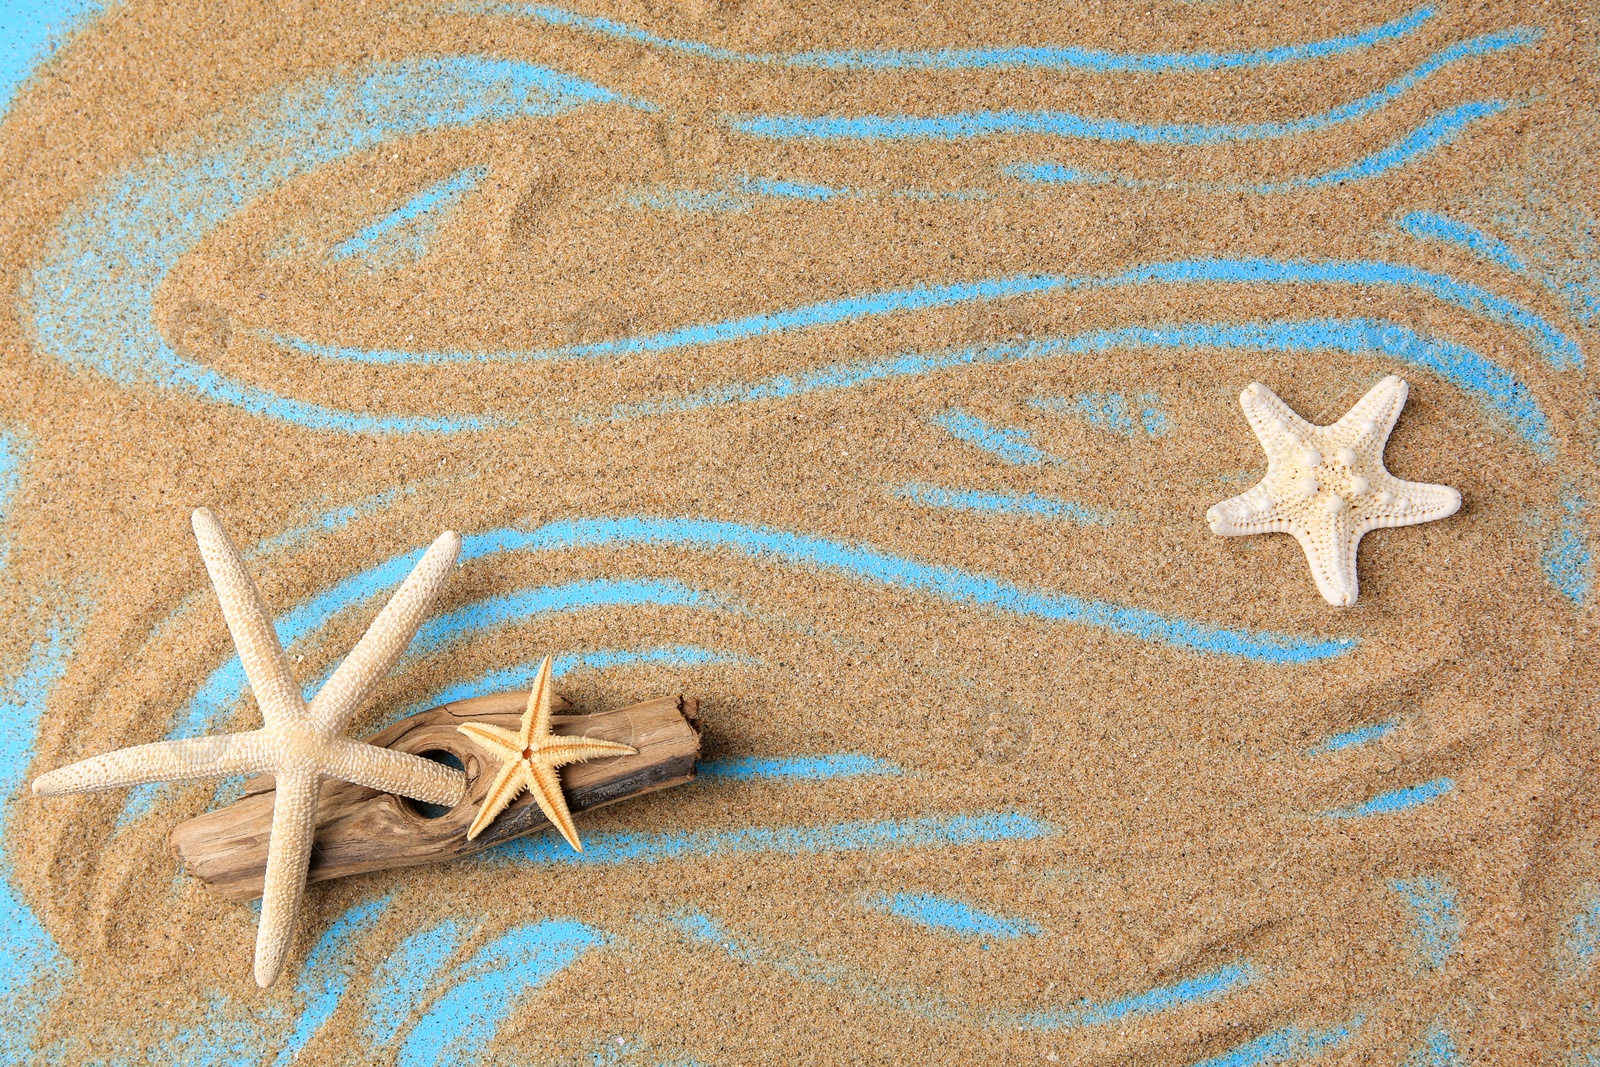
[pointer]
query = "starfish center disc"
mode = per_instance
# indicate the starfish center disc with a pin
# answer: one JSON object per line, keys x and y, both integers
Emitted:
{"x": 527, "y": 753}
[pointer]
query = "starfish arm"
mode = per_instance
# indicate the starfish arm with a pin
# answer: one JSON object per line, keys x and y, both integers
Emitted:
{"x": 560, "y": 751}
{"x": 1330, "y": 548}
{"x": 502, "y": 743}
{"x": 1413, "y": 502}
{"x": 386, "y": 639}
{"x": 536, "y": 720}
{"x": 248, "y": 622}
{"x": 546, "y": 789}
{"x": 160, "y": 761}
{"x": 389, "y": 771}
{"x": 507, "y": 784}
{"x": 1265, "y": 409}
{"x": 294, "y": 824}
{"x": 1251, "y": 512}
{"x": 1380, "y": 407}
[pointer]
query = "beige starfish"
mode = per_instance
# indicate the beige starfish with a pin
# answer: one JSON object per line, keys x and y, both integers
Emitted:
{"x": 529, "y": 760}
{"x": 301, "y": 745}
{"x": 1327, "y": 484}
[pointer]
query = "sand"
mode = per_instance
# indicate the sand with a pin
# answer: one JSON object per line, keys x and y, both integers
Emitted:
{"x": 891, "y": 441}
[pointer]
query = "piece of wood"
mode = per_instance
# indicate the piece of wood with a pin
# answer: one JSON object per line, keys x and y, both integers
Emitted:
{"x": 360, "y": 829}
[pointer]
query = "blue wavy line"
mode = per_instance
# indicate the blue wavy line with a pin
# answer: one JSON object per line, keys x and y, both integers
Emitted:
{"x": 612, "y": 849}
{"x": 32, "y": 968}
{"x": 223, "y": 689}
{"x": 1068, "y": 124}
{"x": 862, "y": 562}
{"x": 811, "y": 768}
{"x": 1290, "y": 1044}
{"x": 946, "y": 914}
{"x": 1441, "y": 130}
{"x": 403, "y": 233}
{"x": 1003, "y": 442}
{"x": 1430, "y": 225}
{"x": 401, "y": 982}
{"x": 1030, "y": 505}
{"x": 701, "y": 928}
{"x": 457, "y": 1028}
{"x": 802, "y": 318}
{"x": 1048, "y": 57}
{"x": 1558, "y": 348}
{"x": 1396, "y": 800}
{"x": 327, "y": 974}
{"x": 1361, "y": 735}
{"x": 91, "y": 299}
{"x": 1498, "y": 390}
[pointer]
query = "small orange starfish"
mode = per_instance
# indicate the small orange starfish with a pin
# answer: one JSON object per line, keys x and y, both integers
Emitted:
{"x": 530, "y": 758}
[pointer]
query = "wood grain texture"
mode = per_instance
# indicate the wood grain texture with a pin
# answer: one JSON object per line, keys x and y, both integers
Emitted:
{"x": 360, "y": 829}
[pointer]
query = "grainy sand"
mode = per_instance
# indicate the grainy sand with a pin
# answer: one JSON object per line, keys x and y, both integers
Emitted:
{"x": 889, "y": 435}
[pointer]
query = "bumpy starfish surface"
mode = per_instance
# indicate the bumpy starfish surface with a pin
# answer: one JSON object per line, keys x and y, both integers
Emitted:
{"x": 300, "y": 744}
{"x": 529, "y": 759}
{"x": 1327, "y": 484}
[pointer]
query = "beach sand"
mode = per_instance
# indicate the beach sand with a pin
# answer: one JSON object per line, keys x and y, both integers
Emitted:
{"x": 865, "y": 373}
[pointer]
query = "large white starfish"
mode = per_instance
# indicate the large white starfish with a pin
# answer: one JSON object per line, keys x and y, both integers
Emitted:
{"x": 300, "y": 744}
{"x": 1327, "y": 484}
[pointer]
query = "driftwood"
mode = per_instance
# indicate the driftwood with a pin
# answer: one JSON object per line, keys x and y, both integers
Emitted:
{"x": 360, "y": 829}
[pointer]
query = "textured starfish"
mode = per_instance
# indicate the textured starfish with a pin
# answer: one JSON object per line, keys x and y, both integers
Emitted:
{"x": 529, "y": 759}
{"x": 300, "y": 744}
{"x": 1327, "y": 484}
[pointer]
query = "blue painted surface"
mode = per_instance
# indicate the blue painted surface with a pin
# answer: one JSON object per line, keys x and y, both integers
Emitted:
{"x": 948, "y": 915}
{"x": 1291, "y": 1044}
{"x": 1494, "y": 387}
{"x": 1436, "y": 1049}
{"x": 486, "y": 989}
{"x": 1431, "y": 226}
{"x": 1003, "y": 442}
{"x": 1431, "y": 900}
{"x": 326, "y": 976}
{"x": 405, "y": 234}
{"x": 1361, "y": 735}
{"x": 32, "y": 32}
{"x": 402, "y": 982}
{"x": 807, "y": 768}
{"x": 1397, "y": 800}
{"x": 1047, "y": 57}
{"x": 1029, "y": 505}
{"x": 1561, "y": 350}
{"x": 975, "y": 124}
{"x": 860, "y": 985}
{"x": 1419, "y": 143}
{"x": 91, "y": 300}
{"x": 1110, "y": 411}
{"x": 611, "y": 849}
{"x": 1566, "y": 561}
